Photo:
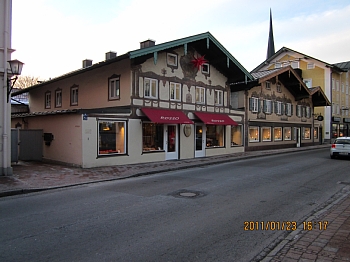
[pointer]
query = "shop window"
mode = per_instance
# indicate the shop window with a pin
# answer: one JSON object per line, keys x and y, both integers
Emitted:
{"x": 48, "y": 100}
{"x": 112, "y": 137}
{"x": 152, "y": 137}
{"x": 277, "y": 132}
{"x": 254, "y": 134}
{"x": 218, "y": 97}
{"x": 236, "y": 135}
{"x": 200, "y": 95}
{"x": 151, "y": 88}
{"x": 306, "y": 133}
{"x": 316, "y": 132}
{"x": 58, "y": 98}
{"x": 215, "y": 136}
{"x": 266, "y": 133}
{"x": 175, "y": 91}
{"x": 114, "y": 88}
{"x": 287, "y": 133}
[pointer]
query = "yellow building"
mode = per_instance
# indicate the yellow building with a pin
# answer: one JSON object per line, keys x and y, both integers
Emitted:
{"x": 333, "y": 79}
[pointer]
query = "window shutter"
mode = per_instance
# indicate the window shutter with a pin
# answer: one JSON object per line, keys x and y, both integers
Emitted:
{"x": 250, "y": 104}
{"x": 297, "y": 109}
{"x": 275, "y": 107}
{"x": 259, "y": 109}
{"x": 264, "y": 105}
{"x": 282, "y": 109}
{"x": 291, "y": 110}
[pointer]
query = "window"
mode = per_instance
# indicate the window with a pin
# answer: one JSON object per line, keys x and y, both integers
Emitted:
{"x": 205, "y": 68}
{"x": 171, "y": 59}
{"x": 278, "y": 65}
{"x": 200, "y": 95}
{"x": 310, "y": 66}
{"x": 266, "y": 133}
{"x": 285, "y": 64}
{"x": 254, "y": 104}
{"x": 287, "y": 133}
{"x": 316, "y": 132}
{"x": 306, "y": 133}
{"x": 58, "y": 98}
{"x": 268, "y": 85}
{"x": 215, "y": 136}
{"x": 175, "y": 91}
{"x": 48, "y": 100}
{"x": 236, "y": 135}
{"x": 253, "y": 134}
{"x": 278, "y": 108}
{"x": 218, "y": 97}
{"x": 152, "y": 137}
{"x": 289, "y": 109}
{"x": 277, "y": 132}
{"x": 114, "y": 88}
{"x": 74, "y": 95}
{"x": 295, "y": 64}
{"x": 308, "y": 112}
{"x": 299, "y": 111}
{"x": 111, "y": 137}
{"x": 279, "y": 88}
{"x": 267, "y": 106}
{"x": 151, "y": 88}
{"x": 308, "y": 82}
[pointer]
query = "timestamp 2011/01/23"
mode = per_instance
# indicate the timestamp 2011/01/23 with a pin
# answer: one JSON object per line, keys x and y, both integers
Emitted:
{"x": 284, "y": 225}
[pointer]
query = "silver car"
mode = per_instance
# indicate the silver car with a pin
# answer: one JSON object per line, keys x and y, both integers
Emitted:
{"x": 340, "y": 147}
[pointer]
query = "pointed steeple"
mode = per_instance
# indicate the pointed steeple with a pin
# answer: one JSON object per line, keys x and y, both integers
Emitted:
{"x": 271, "y": 44}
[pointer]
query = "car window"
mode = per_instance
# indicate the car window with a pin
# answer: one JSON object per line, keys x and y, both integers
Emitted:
{"x": 342, "y": 141}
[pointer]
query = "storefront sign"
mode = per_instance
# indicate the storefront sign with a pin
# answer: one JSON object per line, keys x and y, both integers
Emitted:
{"x": 187, "y": 130}
{"x": 346, "y": 120}
{"x": 336, "y": 119}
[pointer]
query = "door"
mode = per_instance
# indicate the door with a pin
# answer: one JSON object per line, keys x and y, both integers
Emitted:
{"x": 30, "y": 145}
{"x": 171, "y": 142}
{"x": 200, "y": 140}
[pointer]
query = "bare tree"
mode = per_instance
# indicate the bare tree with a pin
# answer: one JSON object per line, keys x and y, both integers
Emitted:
{"x": 26, "y": 81}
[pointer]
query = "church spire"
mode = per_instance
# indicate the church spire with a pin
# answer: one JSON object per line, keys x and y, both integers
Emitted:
{"x": 271, "y": 44}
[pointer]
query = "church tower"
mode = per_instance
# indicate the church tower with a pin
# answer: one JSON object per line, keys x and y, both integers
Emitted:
{"x": 271, "y": 44}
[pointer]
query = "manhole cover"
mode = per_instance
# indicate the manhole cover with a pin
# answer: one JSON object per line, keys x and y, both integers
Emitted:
{"x": 185, "y": 193}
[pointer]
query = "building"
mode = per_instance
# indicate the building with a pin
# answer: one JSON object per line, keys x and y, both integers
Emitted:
{"x": 279, "y": 110}
{"x": 160, "y": 102}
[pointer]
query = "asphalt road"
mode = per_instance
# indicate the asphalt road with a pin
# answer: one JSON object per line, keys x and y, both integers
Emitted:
{"x": 157, "y": 218}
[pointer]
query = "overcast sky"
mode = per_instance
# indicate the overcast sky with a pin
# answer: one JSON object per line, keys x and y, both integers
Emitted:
{"x": 52, "y": 37}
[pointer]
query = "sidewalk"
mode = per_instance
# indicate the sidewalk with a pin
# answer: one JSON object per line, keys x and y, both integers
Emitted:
{"x": 331, "y": 244}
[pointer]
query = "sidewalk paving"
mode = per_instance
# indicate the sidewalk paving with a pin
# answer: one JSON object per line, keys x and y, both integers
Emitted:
{"x": 332, "y": 244}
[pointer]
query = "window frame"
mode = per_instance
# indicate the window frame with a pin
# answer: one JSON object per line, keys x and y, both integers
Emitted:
{"x": 278, "y": 108}
{"x": 47, "y": 99}
{"x": 274, "y": 134}
{"x": 308, "y": 82}
{"x": 169, "y": 57}
{"x": 217, "y": 135}
{"x": 58, "y": 98}
{"x": 160, "y": 140}
{"x": 287, "y": 130}
{"x": 268, "y": 106}
{"x": 205, "y": 68}
{"x": 201, "y": 95}
{"x": 268, "y": 85}
{"x": 150, "y": 95}
{"x": 113, "y": 80}
{"x": 176, "y": 86}
{"x": 268, "y": 139}
{"x": 255, "y": 104}
{"x": 256, "y": 138}
{"x": 74, "y": 95}
{"x": 117, "y": 151}
{"x": 304, "y": 132}
{"x": 218, "y": 95}
{"x": 289, "y": 109}
{"x": 235, "y": 139}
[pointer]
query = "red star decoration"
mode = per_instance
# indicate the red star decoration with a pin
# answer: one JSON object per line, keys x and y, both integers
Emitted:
{"x": 199, "y": 61}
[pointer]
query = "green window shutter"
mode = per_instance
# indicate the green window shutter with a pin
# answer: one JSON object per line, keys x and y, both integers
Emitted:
{"x": 259, "y": 109}
{"x": 250, "y": 104}
{"x": 264, "y": 106}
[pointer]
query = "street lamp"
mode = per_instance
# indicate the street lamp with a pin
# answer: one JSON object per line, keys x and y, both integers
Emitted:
{"x": 16, "y": 69}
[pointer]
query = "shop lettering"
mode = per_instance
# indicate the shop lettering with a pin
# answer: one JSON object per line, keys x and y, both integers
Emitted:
{"x": 172, "y": 118}
{"x": 217, "y": 121}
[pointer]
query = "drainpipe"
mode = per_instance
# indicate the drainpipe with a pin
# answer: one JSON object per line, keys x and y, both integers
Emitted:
{"x": 5, "y": 103}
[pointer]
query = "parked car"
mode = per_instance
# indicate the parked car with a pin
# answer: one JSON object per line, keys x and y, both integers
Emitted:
{"x": 340, "y": 147}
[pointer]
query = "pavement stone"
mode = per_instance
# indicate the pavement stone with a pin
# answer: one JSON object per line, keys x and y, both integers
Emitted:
{"x": 330, "y": 244}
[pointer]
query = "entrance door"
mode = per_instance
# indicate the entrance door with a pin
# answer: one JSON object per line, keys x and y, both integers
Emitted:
{"x": 200, "y": 140}
{"x": 298, "y": 136}
{"x": 171, "y": 143}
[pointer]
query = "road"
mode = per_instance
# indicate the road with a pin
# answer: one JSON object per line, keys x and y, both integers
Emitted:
{"x": 157, "y": 218}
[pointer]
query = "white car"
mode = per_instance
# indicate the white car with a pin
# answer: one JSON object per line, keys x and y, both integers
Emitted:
{"x": 340, "y": 147}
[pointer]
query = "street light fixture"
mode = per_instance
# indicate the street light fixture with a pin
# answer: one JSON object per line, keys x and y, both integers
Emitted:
{"x": 16, "y": 69}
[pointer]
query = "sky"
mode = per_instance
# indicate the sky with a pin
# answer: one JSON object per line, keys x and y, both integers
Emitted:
{"x": 53, "y": 37}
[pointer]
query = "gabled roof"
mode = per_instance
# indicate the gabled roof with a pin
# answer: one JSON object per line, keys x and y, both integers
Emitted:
{"x": 286, "y": 49}
{"x": 343, "y": 65}
{"x": 205, "y": 43}
{"x": 318, "y": 97}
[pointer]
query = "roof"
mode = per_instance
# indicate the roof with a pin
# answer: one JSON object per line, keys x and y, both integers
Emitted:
{"x": 318, "y": 97}
{"x": 205, "y": 43}
{"x": 286, "y": 49}
{"x": 343, "y": 65}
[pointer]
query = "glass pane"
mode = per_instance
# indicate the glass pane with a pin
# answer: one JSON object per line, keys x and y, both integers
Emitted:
{"x": 152, "y": 136}
{"x": 171, "y": 138}
{"x": 199, "y": 138}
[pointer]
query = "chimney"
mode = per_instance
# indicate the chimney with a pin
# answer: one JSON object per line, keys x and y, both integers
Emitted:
{"x": 147, "y": 43}
{"x": 111, "y": 55}
{"x": 87, "y": 63}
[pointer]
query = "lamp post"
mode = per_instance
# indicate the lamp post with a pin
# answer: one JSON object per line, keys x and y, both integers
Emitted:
{"x": 16, "y": 69}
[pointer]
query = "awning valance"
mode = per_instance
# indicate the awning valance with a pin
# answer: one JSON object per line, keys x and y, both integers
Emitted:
{"x": 215, "y": 119}
{"x": 164, "y": 116}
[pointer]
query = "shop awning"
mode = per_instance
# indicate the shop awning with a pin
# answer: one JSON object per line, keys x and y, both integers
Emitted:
{"x": 164, "y": 116}
{"x": 215, "y": 119}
